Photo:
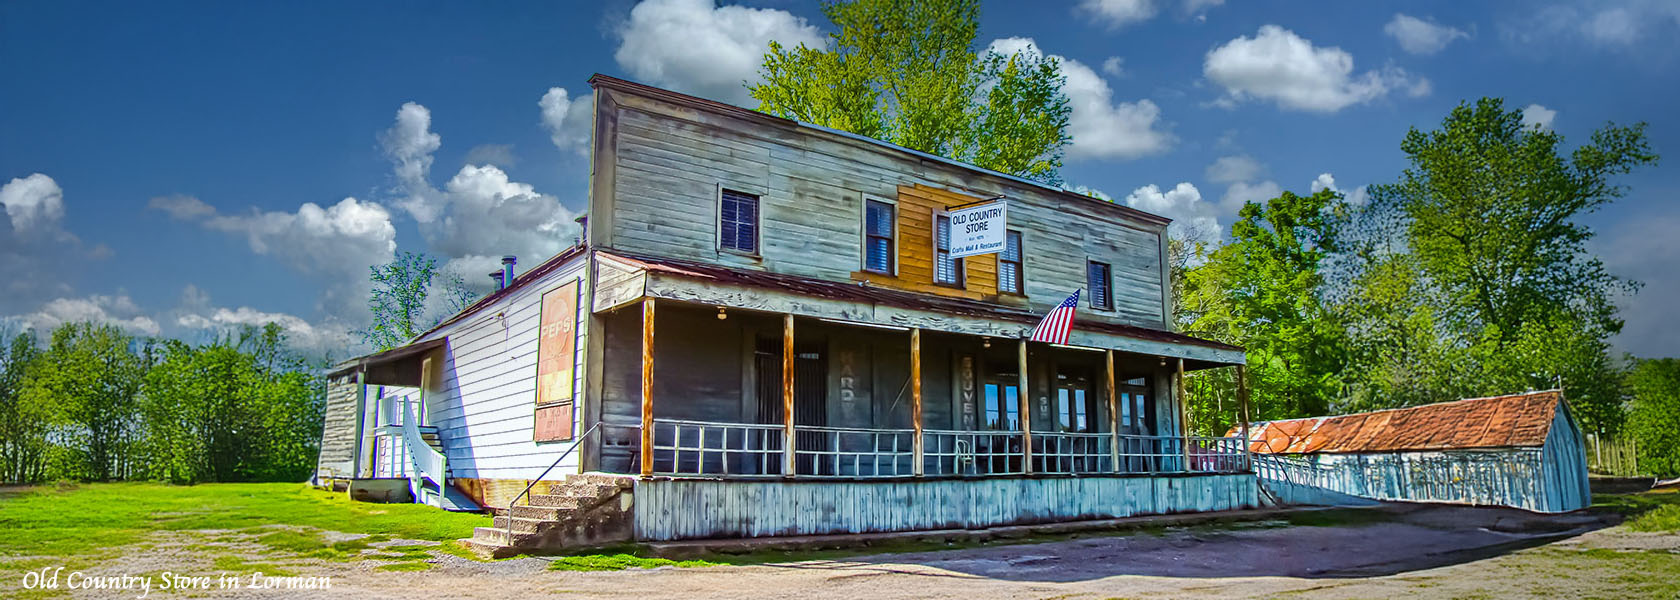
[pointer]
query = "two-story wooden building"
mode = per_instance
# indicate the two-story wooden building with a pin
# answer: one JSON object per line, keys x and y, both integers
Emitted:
{"x": 765, "y": 328}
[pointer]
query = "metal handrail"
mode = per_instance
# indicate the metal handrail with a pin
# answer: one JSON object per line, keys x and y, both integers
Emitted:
{"x": 527, "y": 492}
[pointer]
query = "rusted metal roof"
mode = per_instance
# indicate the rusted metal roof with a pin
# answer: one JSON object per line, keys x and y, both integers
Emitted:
{"x": 862, "y": 292}
{"x": 1514, "y": 421}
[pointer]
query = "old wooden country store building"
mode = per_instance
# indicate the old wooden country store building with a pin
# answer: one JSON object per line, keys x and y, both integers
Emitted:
{"x": 765, "y": 332}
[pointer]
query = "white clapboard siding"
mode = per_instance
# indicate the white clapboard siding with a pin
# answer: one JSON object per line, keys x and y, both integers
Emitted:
{"x": 485, "y": 410}
{"x": 674, "y": 509}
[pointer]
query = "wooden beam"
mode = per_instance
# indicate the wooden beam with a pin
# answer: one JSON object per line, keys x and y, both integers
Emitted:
{"x": 647, "y": 387}
{"x": 361, "y": 425}
{"x": 1183, "y": 414}
{"x": 916, "y": 397}
{"x": 1024, "y": 403}
{"x": 1113, "y": 415}
{"x": 788, "y": 462}
{"x": 1245, "y": 415}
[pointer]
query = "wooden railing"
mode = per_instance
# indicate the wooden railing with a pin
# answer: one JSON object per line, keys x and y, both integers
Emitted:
{"x": 688, "y": 448}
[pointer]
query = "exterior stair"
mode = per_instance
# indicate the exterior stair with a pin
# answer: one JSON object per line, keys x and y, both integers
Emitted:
{"x": 586, "y": 510}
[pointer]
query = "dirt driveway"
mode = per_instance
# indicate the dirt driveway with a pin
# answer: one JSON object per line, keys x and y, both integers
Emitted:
{"x": 1406, "y": 551}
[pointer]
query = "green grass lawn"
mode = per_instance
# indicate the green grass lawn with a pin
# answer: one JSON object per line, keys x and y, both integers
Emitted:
{"x": 1653, "y": 511}
{"x": 77, "y": 520}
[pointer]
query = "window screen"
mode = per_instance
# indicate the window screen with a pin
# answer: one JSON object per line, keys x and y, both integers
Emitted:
{"x": 946, "y": 270}
{"x": 738, "y": 222}
{"x": 878, "y": 237}
{"x": 1011, "y": 279}
{"x": 1101, "y": 296}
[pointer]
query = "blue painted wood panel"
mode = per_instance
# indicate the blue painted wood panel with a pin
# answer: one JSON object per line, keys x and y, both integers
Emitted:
{"x": 698, "y": 509}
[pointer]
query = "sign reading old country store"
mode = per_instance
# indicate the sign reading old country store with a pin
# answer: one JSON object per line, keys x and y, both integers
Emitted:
{"x": 979, "y": 229}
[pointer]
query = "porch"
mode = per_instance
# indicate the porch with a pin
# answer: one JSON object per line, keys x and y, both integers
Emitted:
{"x": 760, "y": 396}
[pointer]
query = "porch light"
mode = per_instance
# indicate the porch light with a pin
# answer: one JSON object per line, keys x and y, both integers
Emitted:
{"x": 985, "y": 342}
{"x": 721, "y": 314}
{"x": 862, "y": 324}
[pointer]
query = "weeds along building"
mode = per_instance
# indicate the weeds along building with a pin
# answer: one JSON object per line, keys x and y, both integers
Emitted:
{"x": 768, "y": 329}
{"x": 1522, "y": 450}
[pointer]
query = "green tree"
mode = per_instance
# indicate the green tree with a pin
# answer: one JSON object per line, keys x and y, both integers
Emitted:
{"x": 399, "y": 299}
{"x": 86, "y": 385}
{"x": 23, "y": 434}
{"x": 1654, "y": 418}
{"x": 1487, "y": 216}
{"x": 1263, "y": 290}
{"x": 906, "y": 71}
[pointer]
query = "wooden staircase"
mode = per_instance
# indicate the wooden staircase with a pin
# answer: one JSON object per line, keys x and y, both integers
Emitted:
{"x": 586, "y": 510}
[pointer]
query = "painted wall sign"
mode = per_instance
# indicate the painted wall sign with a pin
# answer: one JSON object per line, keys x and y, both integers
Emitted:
{"x": 554, "y": 423}
{"x": 557, "y": 344}
{"x": 977, "y": 230}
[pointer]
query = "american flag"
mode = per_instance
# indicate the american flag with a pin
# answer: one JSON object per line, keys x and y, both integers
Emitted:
{"x": 1054, "y": 328}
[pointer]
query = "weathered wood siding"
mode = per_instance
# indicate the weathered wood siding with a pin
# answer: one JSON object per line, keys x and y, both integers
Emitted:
{"x": 693, "y": 509}
{"x": 660, "y": 167}
{"x": 484, "y": 407}
{"x": 1512, "y": 477}
{"x": 338, "y": 431}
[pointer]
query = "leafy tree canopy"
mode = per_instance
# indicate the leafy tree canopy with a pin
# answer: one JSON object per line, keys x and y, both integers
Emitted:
{"x": 906, "y": 71}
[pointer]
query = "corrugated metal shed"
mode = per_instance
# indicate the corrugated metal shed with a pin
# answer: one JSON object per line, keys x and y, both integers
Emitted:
{"x": 1520, "y": 450}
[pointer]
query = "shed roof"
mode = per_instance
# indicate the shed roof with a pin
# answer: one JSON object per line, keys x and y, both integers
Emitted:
{"x": 1513, "y": 421}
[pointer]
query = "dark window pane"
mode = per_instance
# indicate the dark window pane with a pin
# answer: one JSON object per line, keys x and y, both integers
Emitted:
{"x": 1099, "y": 284}
{"x": 738, "y": 221}
{"x": 880, "y": 255}
{"x": 1012, "y": 250}
{"x": 945, "y": 268}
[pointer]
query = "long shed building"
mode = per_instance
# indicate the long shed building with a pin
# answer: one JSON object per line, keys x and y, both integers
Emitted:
{"x": 1522, "y": 450}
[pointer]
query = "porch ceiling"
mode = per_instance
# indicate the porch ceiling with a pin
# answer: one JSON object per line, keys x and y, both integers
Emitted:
{"x": 400, "y": 366}
{"x": 623, "y": 279}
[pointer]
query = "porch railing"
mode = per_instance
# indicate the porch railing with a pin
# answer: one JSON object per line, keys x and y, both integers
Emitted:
{"x": 689, "y": 448}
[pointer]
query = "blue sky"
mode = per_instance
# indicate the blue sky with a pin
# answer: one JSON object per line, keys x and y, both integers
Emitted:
{"x": 182, "y": 168}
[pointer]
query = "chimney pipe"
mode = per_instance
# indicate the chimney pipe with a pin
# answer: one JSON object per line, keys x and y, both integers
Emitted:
{"x": 496, "y": 276}
{"x": 583, "y": 228}
{"x": 507, "y": 269}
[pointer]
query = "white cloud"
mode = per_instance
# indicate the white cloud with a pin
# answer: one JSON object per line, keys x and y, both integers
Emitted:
{"x": 197, "y": 315}
{"x": 1612, "y": 24}
{"x": 345, "y": 238}
{"x": 182, "y": 207}
{"x": 1280, "y": 66}
{"x": 1419, "y": 36}
{"x": 1101, "y": 128}
{"x": 1183, "y": 204}
{"x": 1229, "y": 169}
{"x": 1114, "y": 66}
{"x": 34, "y": 205}
{"x": 567, "y": 120}
{"x": 37, "y": 255}
{"x": 494, "y": 154}
{"x": 697, "y": 47}
{"x": 490, "y": 216}
{"x": 1535, "y": 115}
{"x": 118, "y": 310}
{"x": 1358, "y": 196}
{"x": 409, "y": 143}
{"x": 1118, "y": 13}
{"x": 1243, "y": 192}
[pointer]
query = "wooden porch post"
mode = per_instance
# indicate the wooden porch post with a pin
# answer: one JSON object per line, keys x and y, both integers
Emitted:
{"x": 1025, "y": 405}
{"x": 647, "y": 387}
{"x": 1113, "y": 415}
{"x": 788, "y": 462}
{"x": 916, "y": 396}
{"x": 1183, "y": 415}
{"x": 1242, "y": 407}
{"x": 361, "y": 425}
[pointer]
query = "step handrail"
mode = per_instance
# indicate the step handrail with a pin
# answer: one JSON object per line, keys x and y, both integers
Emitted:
{"x": 511, "y": 503}
{"x": 427, "y": 462}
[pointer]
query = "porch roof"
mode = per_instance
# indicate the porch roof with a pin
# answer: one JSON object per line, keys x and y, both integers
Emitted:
{"x": 398, "y": 366}
{"x": 1019, "y": 320}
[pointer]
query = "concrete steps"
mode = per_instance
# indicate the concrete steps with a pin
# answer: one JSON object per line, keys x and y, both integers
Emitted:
{"x": 586, "y": 509}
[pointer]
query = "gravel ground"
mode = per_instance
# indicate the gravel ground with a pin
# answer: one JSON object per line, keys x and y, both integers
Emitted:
{"x": 1439, "y": 551}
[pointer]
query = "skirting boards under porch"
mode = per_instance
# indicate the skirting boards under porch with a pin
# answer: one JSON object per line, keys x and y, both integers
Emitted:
{"x": 679, "y": 509}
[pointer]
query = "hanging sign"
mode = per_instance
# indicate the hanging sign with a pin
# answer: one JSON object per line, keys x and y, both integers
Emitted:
{"x": 979, "y": 229}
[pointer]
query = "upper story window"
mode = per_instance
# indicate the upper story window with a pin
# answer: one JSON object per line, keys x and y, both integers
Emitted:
{"x": 878, "y": 250}
{"x": 1099, "y": 282}
{"x": 738, "y": 222}
{"x": 1011, "y": 278}
{"x": 946, "y": 270}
